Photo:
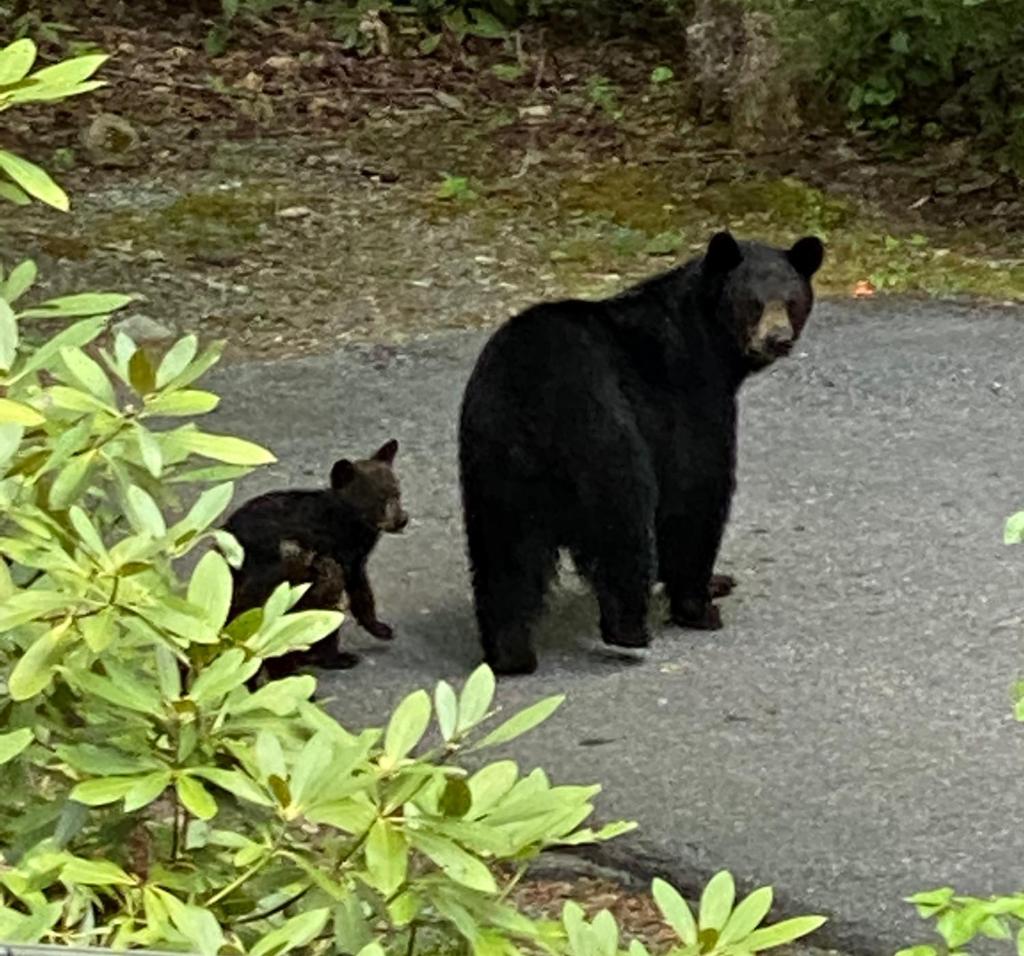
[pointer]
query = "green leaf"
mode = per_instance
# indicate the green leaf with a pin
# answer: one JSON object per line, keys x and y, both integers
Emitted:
{"x": 97, "y": 793}
{"x": 35, "y": 181}
{"x": 176, "y": 360}
{"x": 16, "y": 413}
{"x": 408, "y": 724}
{"x": 1013, "y": 533}
{"x": 195, "y": 797}
{"x": 209, "y": 358}
{"x": 456, "y": 798}
{"x": 22, "y": 276}
{"x": 88, "y": 375}
{"x": 485, "y": 24}
{"x": 75, "y": 400}
{"x": 181, "y": 404}
{"x": 782, "y": 933}
{"x": 295, "y": 933}
{"x": 662, "y": 74}
{"x": 716, "y": 901}
{"x": 8, "y": 336}
{"x": 353, "y": 814}
{"x": 81, "y": 333}
{"x": 96, "y": 761}
{"x": 197, "y": 925}
{"x": 675, "y": 912}
{"x": 236, "y": 783}
{"x": 446, "y": 705}
{"x": 228, "y": 671}
{"x": 226, "y": 448}
{"x": 141, "y": 373}
{"x": 476, "y": 697}
{"x": 10, "y": 439}
{"x": 747, "y": 916}
{"x": 95, "y": 873}
{"x": 208, "y": 507}
{"x": 16, "y": 60}
{"x": 11, "y": 193}
{"x": 307, "y": 775}
{"x": 35, "y": 668}
{"x": 210, "y": 589}
{"x": 280, "y": 697}
{"x": 68, "y": 74}
{"x": 79, "y": 306}
{"x": 489, "y": 785}
{"x": 120, "y": 689}
{"x": 13, "y": 744}
{"x": 522, "y": 722}
{"x": 72, "y": 481}
{"x": 149, "y": 451}
{"x": 144, "y": 513}
{"x": 146, "y": 790}
{"x": 387, "y": 856}
{"x": 456, "y": 863}
{"x": 90, "y": 537}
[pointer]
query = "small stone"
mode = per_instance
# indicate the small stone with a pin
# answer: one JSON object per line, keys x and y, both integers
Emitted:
{"x": 294, "y": 212}
{"x": 152, "y": 255}
{"x": 111, "y": 141}
{"x": 141, "y": 328}
{"x": 539, "y": 111}
{"x": 282, "y": 64}
{"x": 252, "y": 82}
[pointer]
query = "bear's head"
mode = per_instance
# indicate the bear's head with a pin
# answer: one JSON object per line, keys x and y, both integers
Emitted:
{"x": 371, "y": 487}
{"x": 763, "y": 294}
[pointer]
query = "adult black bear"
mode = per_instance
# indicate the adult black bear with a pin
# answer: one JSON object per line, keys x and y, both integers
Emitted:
{"x": 609, "y": 428}
{"x": 323, "y": 538}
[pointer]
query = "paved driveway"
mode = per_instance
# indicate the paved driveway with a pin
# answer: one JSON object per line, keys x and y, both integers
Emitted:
{"x": 848, "y": 735}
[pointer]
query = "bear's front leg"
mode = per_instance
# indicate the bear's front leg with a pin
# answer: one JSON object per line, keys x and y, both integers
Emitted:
{"x": 687, "y": 549}
{"x": 362, "y": 605}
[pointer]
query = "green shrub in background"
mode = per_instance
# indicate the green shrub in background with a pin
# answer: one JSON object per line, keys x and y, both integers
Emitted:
{"x": 915, "y": 69}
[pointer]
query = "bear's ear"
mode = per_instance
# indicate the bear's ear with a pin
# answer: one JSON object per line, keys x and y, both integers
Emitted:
{"x": 723, "y": 254}
{"x": 342, "y": 473}
{"x": 806, "y": 255}
{"x": 386, "y": 453}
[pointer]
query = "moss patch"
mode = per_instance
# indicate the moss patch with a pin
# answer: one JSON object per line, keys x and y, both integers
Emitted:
{"x": 224, "y": 223}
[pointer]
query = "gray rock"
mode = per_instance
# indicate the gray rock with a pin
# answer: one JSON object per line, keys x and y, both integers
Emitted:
{"x": 141, "y": 328}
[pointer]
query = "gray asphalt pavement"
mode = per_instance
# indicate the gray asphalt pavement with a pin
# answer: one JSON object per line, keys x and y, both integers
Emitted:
{"x": 848, "y": 736}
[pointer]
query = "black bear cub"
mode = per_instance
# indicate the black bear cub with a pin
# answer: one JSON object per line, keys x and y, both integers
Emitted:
{"x": 609, "y": 428}
{"x": 323, "y": 538}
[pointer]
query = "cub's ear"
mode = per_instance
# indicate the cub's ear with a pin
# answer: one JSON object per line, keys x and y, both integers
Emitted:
{"x": 342, "y": 473}
{"x": 386, "y": 453}
{"x": 723, "y": 254}
{"x": 807, "y": 255}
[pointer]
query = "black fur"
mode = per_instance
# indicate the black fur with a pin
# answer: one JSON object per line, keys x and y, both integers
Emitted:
{"x": 609, "y": 428}
{"x": 324, "y": 538}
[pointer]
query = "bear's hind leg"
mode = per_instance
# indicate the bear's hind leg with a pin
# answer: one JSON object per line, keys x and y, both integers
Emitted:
{"x": 614, "y": 550}
{"x": 512, "y": 562}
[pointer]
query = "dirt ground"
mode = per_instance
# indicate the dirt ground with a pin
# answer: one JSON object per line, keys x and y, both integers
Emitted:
{"x": 289, "y": 196}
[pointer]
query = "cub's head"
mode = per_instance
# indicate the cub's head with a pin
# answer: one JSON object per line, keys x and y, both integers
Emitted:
{"x": 764, "y": 294}
{"x": 371, "y": 487}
